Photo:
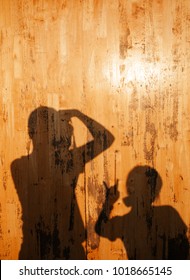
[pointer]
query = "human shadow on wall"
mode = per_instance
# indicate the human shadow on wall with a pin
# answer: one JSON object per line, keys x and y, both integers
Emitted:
{"x": 147, "y": 231}
{"x": 46, "y": 181}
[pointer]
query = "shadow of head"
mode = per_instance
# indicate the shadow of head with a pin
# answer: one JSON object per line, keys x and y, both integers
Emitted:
{"x": 143, "y": 186}
{"x": 46, "y": 125}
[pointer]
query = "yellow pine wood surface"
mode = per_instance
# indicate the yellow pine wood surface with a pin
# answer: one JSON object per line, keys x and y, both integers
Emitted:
{"x": 125, "y": 64}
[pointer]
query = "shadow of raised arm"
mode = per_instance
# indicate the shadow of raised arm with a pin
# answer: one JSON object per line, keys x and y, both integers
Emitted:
{"x": 111, "y": 196}
{"x": 102, "y": 138}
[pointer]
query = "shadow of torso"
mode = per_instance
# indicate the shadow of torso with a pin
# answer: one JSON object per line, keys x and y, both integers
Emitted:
{"x": 159, "y": 234}
{"x": 52, "y": 223}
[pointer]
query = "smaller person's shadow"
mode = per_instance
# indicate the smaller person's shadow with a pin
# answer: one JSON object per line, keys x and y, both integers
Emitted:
{"x": 147, "y": 231}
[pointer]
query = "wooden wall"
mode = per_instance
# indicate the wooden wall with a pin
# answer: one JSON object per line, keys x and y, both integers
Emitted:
{"x": 123, "y": 63}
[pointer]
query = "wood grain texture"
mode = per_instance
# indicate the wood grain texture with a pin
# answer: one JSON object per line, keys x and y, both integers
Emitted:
{"x": 123, "y": 63}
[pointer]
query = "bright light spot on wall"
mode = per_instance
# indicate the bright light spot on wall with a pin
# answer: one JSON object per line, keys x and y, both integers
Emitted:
{"x": 131, "y": 72}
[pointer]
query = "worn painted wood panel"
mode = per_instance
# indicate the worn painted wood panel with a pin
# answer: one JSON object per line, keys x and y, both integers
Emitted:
{"x": 110, "y": 73}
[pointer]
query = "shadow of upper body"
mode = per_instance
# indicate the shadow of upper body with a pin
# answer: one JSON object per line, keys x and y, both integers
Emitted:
{"x": 46, "y": 180}
{"x": 147, "y": 231}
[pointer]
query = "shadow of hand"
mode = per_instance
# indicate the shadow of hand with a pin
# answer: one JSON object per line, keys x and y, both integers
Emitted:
{"x": 112, "y": 193}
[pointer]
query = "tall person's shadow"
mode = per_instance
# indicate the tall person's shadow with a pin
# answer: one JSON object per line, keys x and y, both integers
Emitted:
{"x": 147, "y": 231}
{"x": 46, "y": 180}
